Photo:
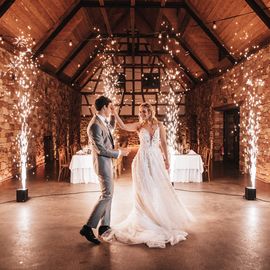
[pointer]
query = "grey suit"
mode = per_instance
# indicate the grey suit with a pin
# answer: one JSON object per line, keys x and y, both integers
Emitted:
{"x": 102, "y": 151}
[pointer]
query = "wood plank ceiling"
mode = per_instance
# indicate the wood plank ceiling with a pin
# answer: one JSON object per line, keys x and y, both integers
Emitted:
{"x": 71, "y": 35}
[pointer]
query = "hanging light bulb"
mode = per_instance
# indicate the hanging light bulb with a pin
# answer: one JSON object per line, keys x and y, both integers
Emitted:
{"x": 70, "y": 43}
{"x": 214, "y": 25}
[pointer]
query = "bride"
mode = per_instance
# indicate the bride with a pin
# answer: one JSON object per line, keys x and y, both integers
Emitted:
{"x": 158, "y": 216}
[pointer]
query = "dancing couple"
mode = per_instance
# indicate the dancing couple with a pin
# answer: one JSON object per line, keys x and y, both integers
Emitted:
{"x": 157, "y": 216}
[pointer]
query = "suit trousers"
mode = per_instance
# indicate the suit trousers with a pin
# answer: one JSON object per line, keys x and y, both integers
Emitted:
{"x": 102, "y": 210}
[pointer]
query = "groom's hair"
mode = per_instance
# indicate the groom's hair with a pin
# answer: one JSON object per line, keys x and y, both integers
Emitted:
{"x": 101, "y": 102}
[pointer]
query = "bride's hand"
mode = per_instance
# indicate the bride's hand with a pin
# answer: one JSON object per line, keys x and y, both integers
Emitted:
{"x": 167, "y": 164}
{"x": 113, "y": 110}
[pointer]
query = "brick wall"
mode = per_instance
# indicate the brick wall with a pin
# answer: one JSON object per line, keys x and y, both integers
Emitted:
{"x": 225, "y": 91}
{"x": 56, "y": 115}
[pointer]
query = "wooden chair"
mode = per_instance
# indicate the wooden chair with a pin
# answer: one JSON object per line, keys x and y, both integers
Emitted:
{"x": 63, "y": 163}
{"x": 206, "y": 157}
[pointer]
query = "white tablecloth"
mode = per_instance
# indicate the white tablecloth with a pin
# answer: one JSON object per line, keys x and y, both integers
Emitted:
{"x": 82, "y": 171}
{"x": 186, "y": 168}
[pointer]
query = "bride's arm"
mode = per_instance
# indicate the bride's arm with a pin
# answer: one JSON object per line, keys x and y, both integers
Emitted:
{"x": 164, "y": 147}
{"x": 128, "y": 127}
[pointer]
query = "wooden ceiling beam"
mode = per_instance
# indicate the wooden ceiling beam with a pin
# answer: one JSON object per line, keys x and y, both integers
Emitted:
{"x": 88, "y": 103}
{"x": 44, "y": 43}
{"x": 74, "y": 53}
{"x": 85, "y": 65}
{"x": 90, "y": 77}
{"x": 184, "y": 23}
{"x": 127, "y": 4}
{"x": 186, "y": 47}
{"x": 132, "y": 26}
{"x": 105, "y": 17}
{"x": 164, "y": 65}
{"x": 184, "y": 68}
{"x": 193, "y": 13}
{"x": 5, "y": 6}
{"x": 261, "y": 10}
{"x": 157, "y": 24}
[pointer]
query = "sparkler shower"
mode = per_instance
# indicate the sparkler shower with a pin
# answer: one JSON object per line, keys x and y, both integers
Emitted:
{"x": 22, "y": 68}
{"x": 252, "y": 118}
{"x": 172, "y": 110}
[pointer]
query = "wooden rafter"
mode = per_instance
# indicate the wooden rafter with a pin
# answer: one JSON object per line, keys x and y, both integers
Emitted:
{"x": 164, "y": 65}
{"x": 5, "y": 6}
{"x": 132, "y": 26}
{"x": 105, "y": 17}
{"x": 90, "y": 78}
{"x": 183, "y": 68}
{"x": 44, "y": 43}
{"x": 74, "y": 53}
{"x": 127, "y": 4}
{"x": 184, "y": 23}
{"x": 98, "y": 81}
{"x": 261, "y": 10}
{"x": 186, "y": 47}
{"x": 85, "y": 65}
{"x": 193, "y": 13}
{"x": 158, "y": 23}
{"x": 88, "y": 103}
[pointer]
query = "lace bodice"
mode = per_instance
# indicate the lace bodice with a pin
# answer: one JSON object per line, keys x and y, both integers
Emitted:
{"x": 146, "y": 140}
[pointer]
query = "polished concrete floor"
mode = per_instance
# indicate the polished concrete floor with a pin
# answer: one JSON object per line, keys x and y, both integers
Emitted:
{"x": 43, "y": 233}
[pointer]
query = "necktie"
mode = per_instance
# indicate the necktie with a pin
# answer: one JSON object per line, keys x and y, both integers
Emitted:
{"x": 110, "y": 135}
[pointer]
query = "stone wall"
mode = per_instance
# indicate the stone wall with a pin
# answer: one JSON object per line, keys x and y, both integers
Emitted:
{"x": 55, "y": 118}
{"x": 228, "y": 90}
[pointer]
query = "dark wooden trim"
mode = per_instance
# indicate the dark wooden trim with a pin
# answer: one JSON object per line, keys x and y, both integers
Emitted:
{"x": 73, "y": 54}
{"x": 5, "y": 6}
{"x": 184, "y": 68}
{"x": 90, "y": 78}
{"x": 207, "y": 31}
{"x": 98, "y": 81}
{"x": 192, "y": 54}
{"x": 88, "y": 103}
{"x": 85, "y": 64}
{"x": 105, "y": 17}
{"x": 187, "y": 48}
{"x": 44, "y": 43}
{"x": 132, "y": 26}
{"x": 183, "y": 26}
{"x": 130, "y": 94}
{"x": 48, "y": 71}
{"x": 137, "y": 53}
{"x": 261, "y": 10}
{"x": 127, "y": 4}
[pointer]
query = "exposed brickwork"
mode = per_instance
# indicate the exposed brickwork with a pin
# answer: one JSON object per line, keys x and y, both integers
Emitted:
{"x": 223, "y": 91}
{"x": 56, "y": 114}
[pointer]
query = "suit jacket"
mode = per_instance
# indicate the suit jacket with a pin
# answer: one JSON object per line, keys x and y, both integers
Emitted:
{"x": 102, "y": 146}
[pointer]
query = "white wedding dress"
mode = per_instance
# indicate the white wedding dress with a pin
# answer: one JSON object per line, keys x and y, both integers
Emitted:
{"x": 157, "y": 216}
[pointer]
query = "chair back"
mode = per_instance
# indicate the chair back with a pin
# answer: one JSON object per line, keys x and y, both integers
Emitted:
{"x": 62, "y": 156}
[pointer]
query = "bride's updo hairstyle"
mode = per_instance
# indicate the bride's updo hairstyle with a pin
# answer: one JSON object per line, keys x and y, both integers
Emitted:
{"x": 152, "y": 118}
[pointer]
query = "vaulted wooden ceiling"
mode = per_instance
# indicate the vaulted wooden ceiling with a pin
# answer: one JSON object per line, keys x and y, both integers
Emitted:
{"x": 71, "y": 35}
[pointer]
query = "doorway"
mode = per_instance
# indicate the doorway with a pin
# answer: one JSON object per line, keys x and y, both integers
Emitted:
{"x": 231, "y": 137}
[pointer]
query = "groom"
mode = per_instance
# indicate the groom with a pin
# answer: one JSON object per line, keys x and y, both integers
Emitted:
{"x": 103, "y": 151}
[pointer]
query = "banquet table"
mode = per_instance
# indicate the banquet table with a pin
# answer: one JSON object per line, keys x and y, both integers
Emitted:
{"x": 186, "y": 168}
{"x": 82, "y": 171}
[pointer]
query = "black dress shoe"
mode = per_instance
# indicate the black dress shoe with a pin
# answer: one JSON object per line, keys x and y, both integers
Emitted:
{"x": 103, "y": 229}
{"x": 89, "y": 235}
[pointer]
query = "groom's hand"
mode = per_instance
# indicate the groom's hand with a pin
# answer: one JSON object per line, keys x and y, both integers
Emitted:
{"x": 124, "y": 152}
